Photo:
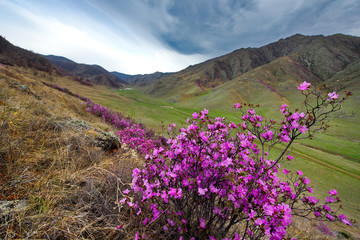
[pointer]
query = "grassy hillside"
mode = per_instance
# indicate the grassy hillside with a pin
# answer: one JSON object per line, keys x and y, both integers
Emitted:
{"x": 57, "y": 178}
{"x": 65, "y": 184}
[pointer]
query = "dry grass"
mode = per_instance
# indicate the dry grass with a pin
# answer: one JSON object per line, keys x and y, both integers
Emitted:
{"x": 309, "y": 230}
{"x": 50, "y": 157}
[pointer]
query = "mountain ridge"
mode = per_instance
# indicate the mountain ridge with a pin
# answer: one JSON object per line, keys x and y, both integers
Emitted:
{"x": 94, "y": 73}
{"x": 320, "y": 56}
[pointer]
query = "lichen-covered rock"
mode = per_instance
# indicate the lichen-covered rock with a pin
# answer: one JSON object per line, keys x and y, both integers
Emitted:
{"x": 108, "y": 141}
{"x": 7, "y": 207}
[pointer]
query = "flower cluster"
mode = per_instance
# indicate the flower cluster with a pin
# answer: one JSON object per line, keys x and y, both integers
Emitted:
{"x": 213, "y": 176}
{"x": 67, "y": 91}
{"x": 324, "y": 229}
{"x": 135, "y": 135}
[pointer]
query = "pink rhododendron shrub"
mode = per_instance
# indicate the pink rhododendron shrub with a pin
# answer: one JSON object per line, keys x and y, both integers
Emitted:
{"x": 135, "y": 135}
{"x": 214, "y": 180}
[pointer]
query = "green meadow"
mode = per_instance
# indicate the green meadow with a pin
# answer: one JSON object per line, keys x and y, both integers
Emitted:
{"x": 330, "y": 160}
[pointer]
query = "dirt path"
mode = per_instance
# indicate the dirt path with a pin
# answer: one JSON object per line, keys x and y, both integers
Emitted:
{"x": 326, "y": 165}
{"x": 176, "y": 110}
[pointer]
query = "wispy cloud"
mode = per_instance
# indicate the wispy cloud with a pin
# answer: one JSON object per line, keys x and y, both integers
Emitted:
{"x": 142, "y": 36}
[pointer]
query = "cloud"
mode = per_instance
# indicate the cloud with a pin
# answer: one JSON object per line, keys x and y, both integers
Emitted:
{"x": 143, "y": 36}
{"x": 222, "y": 26}
{"x": 115, "y": 43}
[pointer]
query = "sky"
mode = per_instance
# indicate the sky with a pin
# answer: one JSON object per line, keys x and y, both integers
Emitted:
{"x": 145, "y": 36}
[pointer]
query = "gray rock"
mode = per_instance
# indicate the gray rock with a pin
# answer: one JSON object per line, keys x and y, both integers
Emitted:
{"x": 7, "y": 207}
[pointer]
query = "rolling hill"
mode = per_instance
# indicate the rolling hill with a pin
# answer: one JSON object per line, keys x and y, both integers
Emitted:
{"x": 94, "y": 73}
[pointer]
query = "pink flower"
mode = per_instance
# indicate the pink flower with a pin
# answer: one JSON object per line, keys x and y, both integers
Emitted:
{"x": 305, "y": 180}
{"x": 331, "y": 218}
{"x": 289, "y": 157}
{"x": 217, "y": 210}
{"x": 283, "y": 109}
{"x": 126, "y": 191}
{"x": 237, "y": 105}
{"x": 333, "y": 192}
{"x": 202, "y": 223}
{"x": 204, "y": 112}
{"x": 195, "y": 115}
{"x": 344, "y": 220}
{"x": 251, "y": 111}
{"x": 294, "y": 124}
{"x": 251, "y": 214}
{"x": 202, "y": 191}
{"x": 213, "y": 189}
{"x": 171, "y": 126}
{"x": 172, "y": 192}
{"x": 299, "y": 172}
{"x": 332, "y": 96}
{"x": 312, "y": 200}
{"x": 285, "y": 171}
{"x": 171, "y": 222}
{"x": 304, "y": 86}
{"x": 268, "y": 209}
{"x": 164, "y": 196}
{"x": 327, "y": 208}
{"x": 146, "y": 221}
{"x": 268, "y": 135}
{"x": 303, "y": 129}
{"x": 285, "y": 138}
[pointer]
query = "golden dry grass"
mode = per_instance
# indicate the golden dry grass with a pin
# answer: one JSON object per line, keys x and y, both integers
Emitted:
{"x": 70, "y": 184}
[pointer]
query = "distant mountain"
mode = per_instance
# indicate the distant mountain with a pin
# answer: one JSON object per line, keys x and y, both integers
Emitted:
{"x": 94, "y": 73}
{"x": 12, "y": 55}
{"x": 122, "y": 76}
{"x": 273, "y": 67}
{"x": 139, "y": 77}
